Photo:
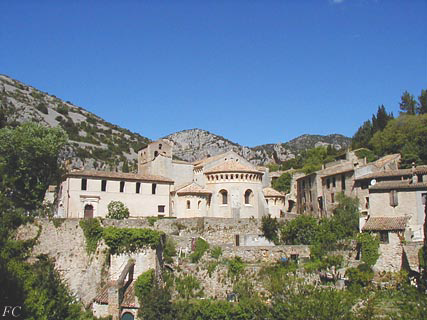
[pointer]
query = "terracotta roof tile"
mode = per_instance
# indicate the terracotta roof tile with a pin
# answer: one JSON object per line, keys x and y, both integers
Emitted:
{"x": 270, "y": 192}
{"x": 395, "y": 173}
{"x": 232, "y": 166}
{"x": 385, "y": 224}
{"x": 192, "y": 188}
{"x": 117, "y": 175}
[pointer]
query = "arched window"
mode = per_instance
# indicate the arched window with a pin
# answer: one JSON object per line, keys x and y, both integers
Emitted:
{"x": 224, "y": 196}
{"x": 127, "y": 316}
{"x": 199, "y": 204}
{"x": 188, "y": 204}
{"x": 248, "y": 196}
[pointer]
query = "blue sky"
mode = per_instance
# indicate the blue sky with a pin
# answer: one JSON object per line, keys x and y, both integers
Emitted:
{"x": 254, "y": 72}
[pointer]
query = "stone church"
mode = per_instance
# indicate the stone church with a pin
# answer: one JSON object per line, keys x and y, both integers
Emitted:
{"x": 223, "y": 186}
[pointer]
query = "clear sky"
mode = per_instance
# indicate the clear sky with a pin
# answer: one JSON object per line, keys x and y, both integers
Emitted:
{"x": 254, "y": 72}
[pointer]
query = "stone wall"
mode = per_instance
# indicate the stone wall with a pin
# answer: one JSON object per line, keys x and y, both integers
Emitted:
{"x": 66, "y": 245}
{"x": 390, "y": 255}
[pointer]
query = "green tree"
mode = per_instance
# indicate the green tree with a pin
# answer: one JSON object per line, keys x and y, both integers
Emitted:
{"x": 117, "y": 210}
{"x": 188, "y": 287}
{"x": 270, "y": 228}
{"x": 422, "y": 102}
{"x": 301, "y": 230}
{"x": 408, "y": 104}
{"x": 28, "y": 163}
{"x": 362, "y": 136}
{"x": 283, "y": 183}
{"x": 407, "y": 135}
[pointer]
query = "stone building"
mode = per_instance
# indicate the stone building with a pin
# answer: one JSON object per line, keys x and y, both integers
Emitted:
{"x": 396, "y": 212}
{"x": 317, "y": 191}
{"x": 225, "y": 186}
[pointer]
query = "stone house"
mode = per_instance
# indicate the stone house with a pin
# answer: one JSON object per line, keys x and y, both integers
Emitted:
{"x": 396, "y": 213}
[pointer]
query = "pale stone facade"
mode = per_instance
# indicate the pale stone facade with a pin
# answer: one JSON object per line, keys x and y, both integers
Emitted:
{"x": 224, "y": 186}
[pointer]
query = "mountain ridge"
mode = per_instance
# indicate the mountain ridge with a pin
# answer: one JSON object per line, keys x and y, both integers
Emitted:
{"x": 101, "y": 145}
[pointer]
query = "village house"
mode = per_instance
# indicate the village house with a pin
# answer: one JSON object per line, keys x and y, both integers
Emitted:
{"x": 396, "y": 213}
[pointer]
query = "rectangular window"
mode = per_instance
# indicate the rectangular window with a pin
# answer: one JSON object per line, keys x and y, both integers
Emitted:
{"x": 84, "y": 184}
{"x": 161, "y": 209}
{"x": 366, "y": 202}
{"x": 332, "y": 197}
{"x": 153, "y": 188}
{"x": 328, "y": 183}
{"x": 138, "y": 187}
{"x": 393, "y": 198}
{"x": 103, "y": 185}
{"x": 384, "y": 236}
{"x": 122, "y": 186}
{"x": 334, "y": 182}
{"x": 343, "y": 182}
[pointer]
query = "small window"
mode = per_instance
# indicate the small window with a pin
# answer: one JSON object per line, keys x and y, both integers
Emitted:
{"x": 224, "y": 196}
{"x": 160, "y": 146}
{"x": 122, "y": 186}
{"x": 104, "y": 185}
{"x": 84, "y": 184}
{"x": 332, "y": 198}
{"x": 188, "y": 204}
{"x": 384, "y": 236}
{"x": 343, "y": 182}
{"x": 328, "y": 183}
{"x": 138, "y": 187}
{"x": 334, "y": 182}
{"x": 393, "y": 198}
{"x": 366, "y": 202}
{"x": 153, "y": 188}
{"x": 161, "y": 209}
{"x": 248, "y": 196}
{"x": 156, "y": 153}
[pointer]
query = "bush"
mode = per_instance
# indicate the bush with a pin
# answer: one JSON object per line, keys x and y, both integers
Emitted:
{"x": 199, "y": 251}
{"x": 301, "y": 230}
{"x": 117, "y": 210}
{"x": 270, "y": 227}
{"x": 360, "y": 276}
{"x": 121, "y": 240}
{"x": 235, "y": 267}
{"x": 169, "y": 250}
{"x": 62, "y": 110}
{"x": 144, "y": 284}
{"x": 188, "y": 287}
{"x": 216, "y": 252}
{"x": 369, "y": 245}
{"x": 42, "y": 108}
{"x": 93, "y": 233}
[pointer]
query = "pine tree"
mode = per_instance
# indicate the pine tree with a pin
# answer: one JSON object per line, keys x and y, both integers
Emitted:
{"x": 408, "y": 104}
{"x": 422, "y": 102}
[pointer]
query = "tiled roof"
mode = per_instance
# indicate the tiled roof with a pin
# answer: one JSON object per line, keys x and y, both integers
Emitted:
{"x": 385, "y": 223}
{"x": 128, "y": 297}
{"x": 381, "y": 162}
{"x": 117, "y": 175}
{"x": 193, "y": 188}
{"x": 270, "y": 192}
{"x": 405, "y": 184}
{"x": 181, "y": 162}
{"x": 208, "y": 159}
{"x": 395, "y": 173}
{"x": 232, "y": 166}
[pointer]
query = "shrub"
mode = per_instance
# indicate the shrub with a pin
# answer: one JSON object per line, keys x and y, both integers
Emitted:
{"x": 199, "y": 251}
{"x": 144, "y": 284}
{"x": 360, "y": 276}
{"x": 369, "y": 245}
{"x": 235, "y": 267}
{"x": 117, "y": 210}
{"x": 121, "y": 240}
{"x": 62, "y": 109}
{"x": 93, "y": 232}
{"x": 270, "y": 227}
{"x": 42, "y": 108}
{"x": 216, "y": 252}
{"x": 301, "y": 230}
{"x": 188, "y": 287}
{"x": 169, "y": 250}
